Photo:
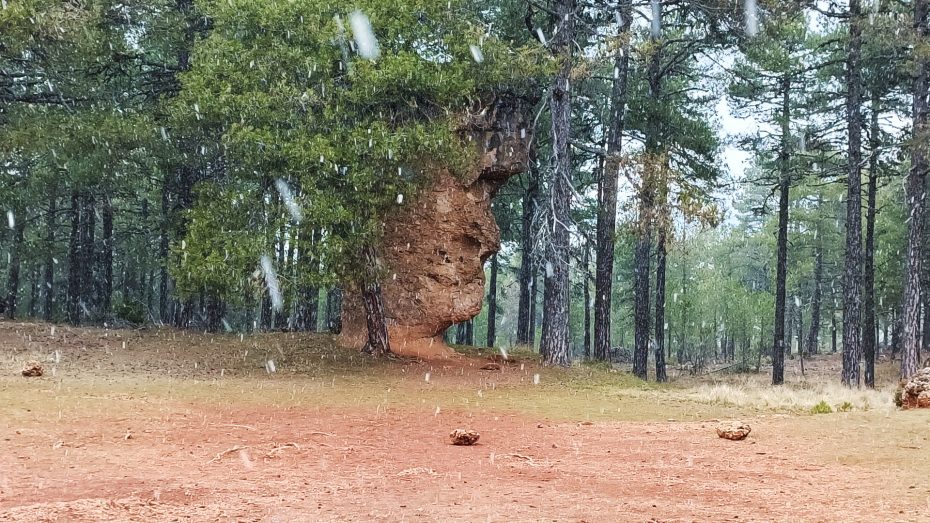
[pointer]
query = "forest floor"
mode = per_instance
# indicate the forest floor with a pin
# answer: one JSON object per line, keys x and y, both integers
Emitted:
{"x": 159, "y": 425}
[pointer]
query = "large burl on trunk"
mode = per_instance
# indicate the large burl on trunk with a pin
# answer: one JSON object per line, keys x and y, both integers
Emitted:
{"x": 434, "y": 247}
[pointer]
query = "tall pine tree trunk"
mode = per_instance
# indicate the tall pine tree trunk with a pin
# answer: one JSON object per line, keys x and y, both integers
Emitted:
{"x": 49, "y": 281}
{"x": 492, "y": 302}
{"x": 852, "y": 273}
{"x": 74, "y": 260}
{"x": 555, "y": 346}
{"x": 525, "y": 333}
{"x": 607, "y": 194}
{"x": 334, "y": 311}
{"x": 12, "y": 288}
{"x": 106, "y": 260}
{"x": 586, "y": 272}
{"x": 915, "y": 186}
{"x": 643, "y": 251}
{"x": 868, "y": 312}
{"x": 661, "y": 375}
{"x": 781, "y": 270}
{"x": 813, "y": 335}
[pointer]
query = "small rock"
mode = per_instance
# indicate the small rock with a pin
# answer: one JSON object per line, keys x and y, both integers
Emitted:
{"x": 735, "y": 431}
{"x": 32, "y": 369}
{"x": 491, "y": 366}
{"x": 464, "y": 437}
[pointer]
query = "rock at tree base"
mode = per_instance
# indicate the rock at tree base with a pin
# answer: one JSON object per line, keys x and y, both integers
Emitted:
{"x": 915, "y": 393}
{"x": 434, "y": 246}
{"x": 464, "y": 437}
{"x": 32, "y": 369}
{"x": 735, "y": 431}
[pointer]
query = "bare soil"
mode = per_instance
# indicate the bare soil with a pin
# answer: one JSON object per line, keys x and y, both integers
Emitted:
{"x": 182, "y": 427}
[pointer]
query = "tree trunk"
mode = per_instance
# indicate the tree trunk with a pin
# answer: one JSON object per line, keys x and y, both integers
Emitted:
{"x": 334, "y": 311}
{"x": 49, "y": 280}
{"x": 106, "y": 259}
{"x": 868, "y": 312}
{"x": 89, "y": 282}
{"x": 492, "y": 303}
{"x": 163, "y": 251}
{"x": 74, "y": 261}
{"x": 660, "y": 306}
{"x": 526, "y": 309}
{"x": 555, "y": 346}
{"x": 813, "y": 335}
{"x": 12, "y": 293}
{"x": 915, "y": 187}
{"x": 833, "y": 332}
{"x": 781, "y": 271}
{"x": 378, "y": 344}
{"x": 586, "y": 279}
{"x": 607, "y": 195}
{"x": 646, "y": 196}
{"x": 852, "y": 274}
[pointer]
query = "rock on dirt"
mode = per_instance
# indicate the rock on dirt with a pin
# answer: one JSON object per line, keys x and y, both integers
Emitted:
{"x": 32, "y": 369}
{"x": 464, "y": 437}
{"x": 735, "y": 430}
{"x": 915, "y": 392}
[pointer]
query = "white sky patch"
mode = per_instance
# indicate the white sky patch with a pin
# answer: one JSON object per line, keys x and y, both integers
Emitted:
{"x": 288, "y": 196}
{"x": 271, "y": 279}
{"x": 364, "y": 36}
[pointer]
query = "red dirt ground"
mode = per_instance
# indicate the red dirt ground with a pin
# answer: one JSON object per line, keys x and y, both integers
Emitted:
{"x": 190, "y": 460}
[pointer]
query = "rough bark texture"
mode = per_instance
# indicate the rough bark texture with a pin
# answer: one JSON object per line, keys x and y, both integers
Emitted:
{"x": 781, "y": 276}
{"x": 915, "y": 187}
{"x": 813, "y": 335}
{"x": 607, "y": 197}
{"x": 660, "y": 308}
{"x": 49, "y": 278}
{"x": 492, "y": 303}
{"x": 781, "y": 270}
{"x": 13, "y": 276}
{"x": 554, "y": 344}
{"x": 434, "y": 248}
{"x": 868, "y": 312}
{"x": 525, "y": 309}
{"x": 852, "y": 274}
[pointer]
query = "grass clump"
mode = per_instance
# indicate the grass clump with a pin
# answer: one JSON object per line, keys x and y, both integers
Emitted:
{"x": 822, "y": 408}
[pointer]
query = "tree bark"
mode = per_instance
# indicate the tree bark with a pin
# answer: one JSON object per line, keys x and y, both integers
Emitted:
{"x": 12, "y": 293}
{"x": 554, "y": 345}
{"x": 868, "y": 312}
{"x": 915, "y": 186}
{"x": 492, "y": 303}
{"x": 661, "y": 375}
{"x": 643, "y": 249}
{"x": 781, "y": 271}
{"x": 378, "y": 343}
{"x": 106, "y": 260}
{"x": 526, "y": 309}
{"x": 74, "y": 261}
{"x": 852, "y": 274}
{"x": 586, "y": 279}
{"x": 49, "y": 280}
{"x": 607, "y": 195}
{"x": 813, "y": 335}
{"x": 334, "y": 311}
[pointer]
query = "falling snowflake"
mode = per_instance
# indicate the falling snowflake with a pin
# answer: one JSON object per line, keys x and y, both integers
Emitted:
{"x": 364, "y": 36}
